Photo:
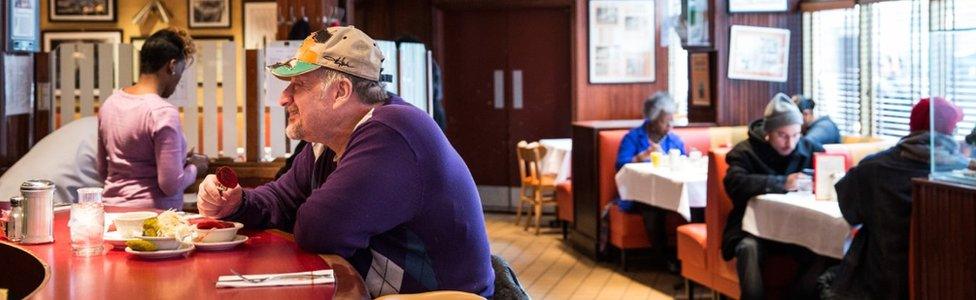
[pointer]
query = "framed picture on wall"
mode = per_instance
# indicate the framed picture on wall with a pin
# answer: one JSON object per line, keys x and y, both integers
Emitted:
{"x": 622, "y": 41}
{"x": 81, "y": 10}
{"x": 700, "y": 79}
{"x": 259, "y": 29}
{"x": 745, "y": 6}
{"x": 759, "y": 53}
{"x": 209, "y": 13}
{"x": 54, "y": 38}
{"x": 23, "y": 23}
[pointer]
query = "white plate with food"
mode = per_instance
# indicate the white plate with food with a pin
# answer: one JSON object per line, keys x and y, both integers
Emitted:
{"x": 219, "y": 246}
{"x": 184, "y": 250}
{"x": 115, "y": 239}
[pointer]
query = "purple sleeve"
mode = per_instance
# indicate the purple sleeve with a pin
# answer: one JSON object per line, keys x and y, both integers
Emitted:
{"x": 273, "y": 205}
{"x": 171, "y": 170}
{"x": 101, "y": 160}
{"x": 376, "y": 187}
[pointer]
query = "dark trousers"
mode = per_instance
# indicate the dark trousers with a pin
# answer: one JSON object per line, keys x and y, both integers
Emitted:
{"x": 655, "y": 225}
{"x": 752, "y": 251}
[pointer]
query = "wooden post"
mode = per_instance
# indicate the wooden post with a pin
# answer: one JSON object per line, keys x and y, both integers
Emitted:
{"x": 252, "y": 102}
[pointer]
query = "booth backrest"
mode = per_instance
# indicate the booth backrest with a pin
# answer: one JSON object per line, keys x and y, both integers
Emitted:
{"x": 701, "y": 138}
{"x": 857, "y": 151}
{"x": 717, "y": 208}
{"x": 609, "y": 146}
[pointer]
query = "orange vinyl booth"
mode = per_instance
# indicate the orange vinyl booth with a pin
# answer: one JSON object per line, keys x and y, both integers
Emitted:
{"x": 627, "y": 229}
{"x": 700, "y": 247}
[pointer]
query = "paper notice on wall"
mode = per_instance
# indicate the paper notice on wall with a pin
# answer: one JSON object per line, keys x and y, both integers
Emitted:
{"x": 18, "y": 85}
{"x": 277, "y": 52}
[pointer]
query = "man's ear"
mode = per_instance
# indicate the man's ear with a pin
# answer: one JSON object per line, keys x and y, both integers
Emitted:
{"x": 342, "y": 88}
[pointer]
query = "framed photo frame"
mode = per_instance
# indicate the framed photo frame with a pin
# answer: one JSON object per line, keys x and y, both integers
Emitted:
{"x": 23, "y": 20}
{"x": 750, "y": 6}
{"x": 700, "y": 79}
{"x": 51, "y": 39}
{"x": 259, "y": 29}
{"x": 622, "y": 41}
{"x": 759, "y": 53}
{"x": 82, "y": 10}
{"x": 208, "y": 13}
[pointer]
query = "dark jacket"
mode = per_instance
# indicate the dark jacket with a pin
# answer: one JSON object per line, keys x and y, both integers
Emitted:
{"x": 823, "y": 131}
{"x": 755, "y": 168}
{"x": 877, "y": 194}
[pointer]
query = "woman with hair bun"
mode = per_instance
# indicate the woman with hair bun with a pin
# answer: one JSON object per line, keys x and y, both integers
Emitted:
{"x": 142, "y": 153}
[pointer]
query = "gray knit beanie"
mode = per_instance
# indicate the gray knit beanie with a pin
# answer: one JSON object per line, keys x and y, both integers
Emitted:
{"x": 781, "y": 112}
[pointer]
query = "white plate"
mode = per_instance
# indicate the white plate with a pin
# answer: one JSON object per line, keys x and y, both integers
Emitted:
{"x": 183, "y": 251}
{"x": 239, "y": 239}
{"x": 115, "y": 238}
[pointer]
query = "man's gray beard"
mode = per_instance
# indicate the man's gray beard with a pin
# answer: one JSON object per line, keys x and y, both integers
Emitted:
{"x": 294, "y": 131}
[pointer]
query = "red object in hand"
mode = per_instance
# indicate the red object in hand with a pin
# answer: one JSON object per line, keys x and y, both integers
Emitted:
{"x": 226, "y": 177}
{"x": 208, "y": 224}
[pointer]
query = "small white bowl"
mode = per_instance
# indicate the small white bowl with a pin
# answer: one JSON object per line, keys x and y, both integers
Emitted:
{"x": 130, "y": 224}
{"x": 162, "y": 243}
{"x": 216, "y": 235}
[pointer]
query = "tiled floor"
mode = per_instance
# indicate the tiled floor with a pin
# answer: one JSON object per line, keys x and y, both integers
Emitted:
{"x": 550, "y": 269}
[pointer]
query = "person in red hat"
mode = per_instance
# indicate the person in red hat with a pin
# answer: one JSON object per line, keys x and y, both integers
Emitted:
{"x": 877, "y": 195}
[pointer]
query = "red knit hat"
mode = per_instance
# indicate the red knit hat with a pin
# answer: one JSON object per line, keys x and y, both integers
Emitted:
{"x": 946, "y": 115}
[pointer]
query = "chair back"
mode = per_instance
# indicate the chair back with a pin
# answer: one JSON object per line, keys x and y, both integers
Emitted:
{"x": 529, "y": 158}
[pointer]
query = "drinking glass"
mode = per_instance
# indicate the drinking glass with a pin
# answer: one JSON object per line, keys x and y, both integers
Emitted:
{"x": 87, "y": 222}
{"x": 656, "y": 159}
{"x": 804, "y": 185}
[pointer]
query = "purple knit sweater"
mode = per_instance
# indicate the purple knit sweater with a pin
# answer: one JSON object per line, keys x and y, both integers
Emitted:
{"x": 401, "y": 206}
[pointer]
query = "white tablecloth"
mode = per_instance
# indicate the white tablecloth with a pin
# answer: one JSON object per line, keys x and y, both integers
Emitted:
{"x": 677, "y": 190}
{"x": 558, "y": 157}
{"x": 798, "y": 219}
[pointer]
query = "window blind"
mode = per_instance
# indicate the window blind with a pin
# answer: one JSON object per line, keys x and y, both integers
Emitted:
{"x": 833, "y": 66}
{"x": 898, "y": 61}
{"x": 953, "y": 57}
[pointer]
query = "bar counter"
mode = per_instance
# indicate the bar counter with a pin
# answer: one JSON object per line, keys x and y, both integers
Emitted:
{"x": 118, "y": 274}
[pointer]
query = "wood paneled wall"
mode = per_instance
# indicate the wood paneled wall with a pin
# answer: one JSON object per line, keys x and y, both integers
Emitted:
{"x": 742, "y": 101}
{"x": 610, "y": 101}
{"x": 393, "y": 19}
{"x": 314, "y": 10}
{"x": 14, "y": 133}
{"x": 942, "y": 262}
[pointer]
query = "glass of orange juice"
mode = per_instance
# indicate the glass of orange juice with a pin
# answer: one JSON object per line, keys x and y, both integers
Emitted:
{"x": 656, "y": 159}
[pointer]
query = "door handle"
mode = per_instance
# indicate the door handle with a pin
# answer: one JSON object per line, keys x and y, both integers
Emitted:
{"x": 517, "y": 89}
{"x": 499, "y": 89}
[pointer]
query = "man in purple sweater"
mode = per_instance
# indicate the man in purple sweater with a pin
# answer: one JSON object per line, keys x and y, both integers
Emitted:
{"x": 380, "y": 185}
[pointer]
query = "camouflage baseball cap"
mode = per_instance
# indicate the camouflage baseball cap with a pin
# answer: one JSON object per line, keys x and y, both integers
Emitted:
{"x": 344, "y": 49}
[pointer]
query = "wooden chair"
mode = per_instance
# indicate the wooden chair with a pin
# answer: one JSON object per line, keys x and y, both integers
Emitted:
{"x": 536, "y": 189}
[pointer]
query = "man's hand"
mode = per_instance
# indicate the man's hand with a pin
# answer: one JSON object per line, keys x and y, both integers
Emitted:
{"x": 216, "y": 203}
{"x": 792, "y": 180}
{"x": 644, "y": 155}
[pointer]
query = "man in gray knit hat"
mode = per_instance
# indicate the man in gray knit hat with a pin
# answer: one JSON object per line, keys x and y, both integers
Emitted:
{"x": 770, "y": 161}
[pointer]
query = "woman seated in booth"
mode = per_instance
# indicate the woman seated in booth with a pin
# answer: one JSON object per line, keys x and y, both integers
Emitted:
{"x": 142, "y": 153}
{"x": 654, "y": 135}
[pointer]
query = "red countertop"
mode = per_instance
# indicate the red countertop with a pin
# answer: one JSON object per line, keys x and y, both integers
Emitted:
{"x": 118, "y": 274}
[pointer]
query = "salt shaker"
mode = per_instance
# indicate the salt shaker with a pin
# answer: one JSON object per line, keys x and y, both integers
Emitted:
{"x": 15, "y": 221}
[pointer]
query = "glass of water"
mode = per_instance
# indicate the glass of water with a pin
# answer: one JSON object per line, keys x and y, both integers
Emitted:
{"x": 87, "y": 222}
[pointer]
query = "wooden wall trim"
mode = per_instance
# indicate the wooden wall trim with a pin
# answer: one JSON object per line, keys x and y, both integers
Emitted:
{"x": 482, "y": 4}
{"x": 816, "y": 5}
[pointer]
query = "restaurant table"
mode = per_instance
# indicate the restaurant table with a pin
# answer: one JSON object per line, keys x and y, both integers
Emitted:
{"x": 558, "y": 158}
{"x": 118, "y": 274}
{"x": 676, "y": 190}
{"x": 799, "y": 219}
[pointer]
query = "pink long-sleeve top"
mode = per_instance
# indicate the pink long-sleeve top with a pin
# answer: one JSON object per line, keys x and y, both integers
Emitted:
{"x": 142, "y": 152}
